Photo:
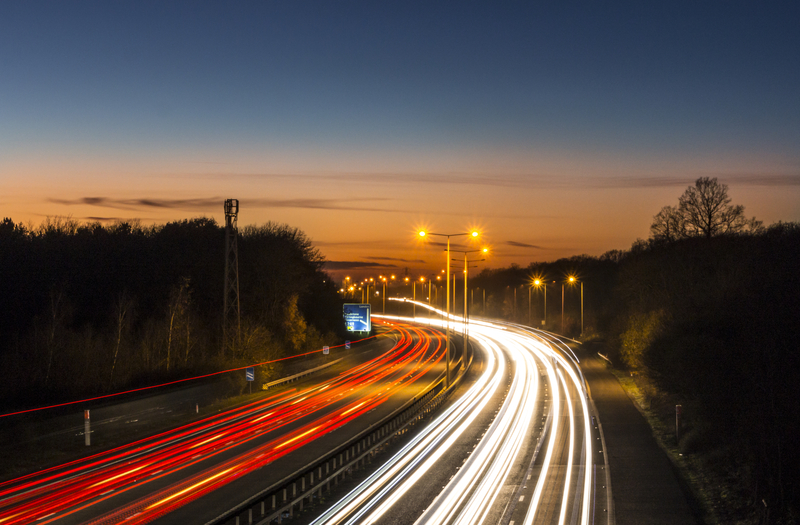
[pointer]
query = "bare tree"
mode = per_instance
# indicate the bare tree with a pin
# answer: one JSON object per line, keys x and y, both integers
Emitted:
{"x": 707, "y": 210}
{"x": 57, "y": 315}
{"x": 704, "y": 210}
{"x": 668, "y": 224}
{"x": 178, "y": 304}
{"x": 122, "y": 315}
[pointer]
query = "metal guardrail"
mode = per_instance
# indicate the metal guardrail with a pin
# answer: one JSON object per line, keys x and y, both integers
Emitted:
{"x": 294, "y": 491}
{"x": 300, "y": 375}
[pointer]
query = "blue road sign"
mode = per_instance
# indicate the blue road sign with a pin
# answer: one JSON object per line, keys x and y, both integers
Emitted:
{"x": 326, "y": 350}
{"x": 347, "y": 345}
{"x": 250, "y": 373}
{"x": 357, "y": 317}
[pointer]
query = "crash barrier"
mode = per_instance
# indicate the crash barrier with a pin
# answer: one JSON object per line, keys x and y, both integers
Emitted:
{"x": 289, "y": 495}
{"x": 300, "y": 375}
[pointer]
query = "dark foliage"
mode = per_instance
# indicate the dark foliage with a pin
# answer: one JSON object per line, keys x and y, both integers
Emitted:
{"x": 714, "y": 323}
{"x": 86, "y": 308}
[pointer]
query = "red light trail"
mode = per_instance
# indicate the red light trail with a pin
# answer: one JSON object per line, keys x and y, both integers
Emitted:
{"x": 51, "y": 494}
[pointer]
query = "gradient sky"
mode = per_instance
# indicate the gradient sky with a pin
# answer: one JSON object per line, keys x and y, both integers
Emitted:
{"x": 558, "y": 128}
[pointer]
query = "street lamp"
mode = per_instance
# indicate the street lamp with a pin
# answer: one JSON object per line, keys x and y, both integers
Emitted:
{"x": 466, "y": 311}
{"x": 537, "y": 283}
{"x": 384, "y": 294}
{"x": 466, "y": 277}
{"x": 572, "y": 280}
{"x": 414, "y": 294}
{"x": 473, "y": 234}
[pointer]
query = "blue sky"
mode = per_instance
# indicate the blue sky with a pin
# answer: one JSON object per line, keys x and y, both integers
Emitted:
{"x": 405, "y": 105}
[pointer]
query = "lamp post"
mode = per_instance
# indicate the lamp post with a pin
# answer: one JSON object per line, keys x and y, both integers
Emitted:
{"x": 537, "y": 283}
{"x": 414, "y": 293}
{"x": 466, "y": 277}
{"x": 530, "y": 312}
{"x": 383, "y": 309}
{"x": 447, "y": 311}
{"x": 562, "y": 308}
{"x": 572, "y": 280}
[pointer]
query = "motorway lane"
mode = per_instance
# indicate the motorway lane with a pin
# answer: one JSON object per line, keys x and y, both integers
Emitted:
{"x": 534, "y": 462}
{"x": 75, "y": 493}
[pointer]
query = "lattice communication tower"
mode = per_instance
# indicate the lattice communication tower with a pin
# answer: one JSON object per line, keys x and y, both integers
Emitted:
{"x": 231, "y": 322}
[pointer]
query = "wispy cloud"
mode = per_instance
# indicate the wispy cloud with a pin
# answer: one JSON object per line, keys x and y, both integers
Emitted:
{"x": 355, "y": 265}
{"x": 210, "y": 204}
{"x": 395, "y": 259}
{"x": 523, "y": 245}
{"x": 530, "y": 180}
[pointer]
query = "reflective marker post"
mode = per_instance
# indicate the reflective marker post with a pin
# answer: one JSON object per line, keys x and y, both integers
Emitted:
{"x": 87, "y": 430}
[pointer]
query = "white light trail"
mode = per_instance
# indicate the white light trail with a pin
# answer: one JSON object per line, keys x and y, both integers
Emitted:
{"x": 476, "y": 487}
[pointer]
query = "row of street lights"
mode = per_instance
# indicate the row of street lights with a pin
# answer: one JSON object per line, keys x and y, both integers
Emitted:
{"x": 535, "y": 282}
{"x": 538, "y": 282}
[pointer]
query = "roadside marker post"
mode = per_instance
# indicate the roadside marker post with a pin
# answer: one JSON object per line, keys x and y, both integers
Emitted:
{"x": 87, "y": 428}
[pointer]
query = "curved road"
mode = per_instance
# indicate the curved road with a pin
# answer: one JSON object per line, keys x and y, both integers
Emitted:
{"x": 194, "y": 469}
{"x": 520, "y": 445}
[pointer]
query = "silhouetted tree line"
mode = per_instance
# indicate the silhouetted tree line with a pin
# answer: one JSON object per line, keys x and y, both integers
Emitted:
{"x": 87, "y": 308}
{"x": 708, "y": 317}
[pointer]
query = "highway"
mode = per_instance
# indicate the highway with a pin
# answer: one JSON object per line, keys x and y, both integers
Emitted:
{"x": 522, "y": 444}
{"x": 154, "y": 477}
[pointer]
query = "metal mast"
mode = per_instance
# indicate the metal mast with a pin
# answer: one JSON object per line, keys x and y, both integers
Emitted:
{"x": 231, "y": 321}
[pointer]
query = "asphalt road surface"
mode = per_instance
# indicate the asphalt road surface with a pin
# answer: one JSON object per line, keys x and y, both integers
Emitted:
{"x": 519, "y": 444}
{"x": 192, "y": 473}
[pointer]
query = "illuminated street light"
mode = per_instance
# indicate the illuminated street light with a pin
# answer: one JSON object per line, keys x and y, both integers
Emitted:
{"x": 384, "y": 293}
{"x": 473, "y": 234}
{"x": 537, "y": 282}
{"x": 414, "y": 295}
{"x": 571, "y": 280}
{"x": 466, "y": 277}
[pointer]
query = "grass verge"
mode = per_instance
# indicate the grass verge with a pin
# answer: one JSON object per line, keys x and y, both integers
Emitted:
{"x": 718, "y": 493}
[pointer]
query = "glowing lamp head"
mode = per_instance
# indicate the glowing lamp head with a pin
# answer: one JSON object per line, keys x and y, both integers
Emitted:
{"x": 474, "y": 234}
{"x": 571, "y": 279}
{"x": 422, "y": 233}
{"x": 422, "y": 279}
{"x": 537, "y": 282}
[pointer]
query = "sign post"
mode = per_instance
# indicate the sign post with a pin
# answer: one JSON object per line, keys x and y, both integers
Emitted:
{"x": 250, "y": 375}
{"x": 357, "y": 317}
